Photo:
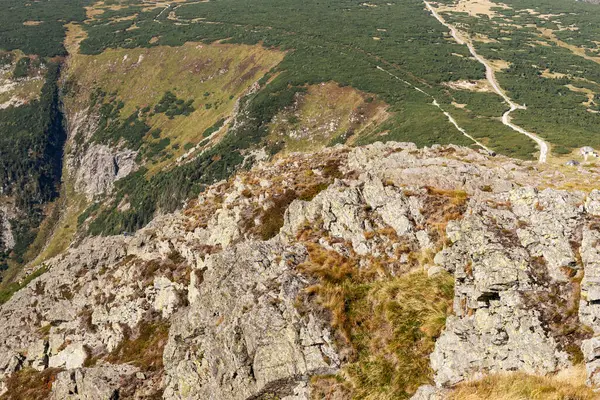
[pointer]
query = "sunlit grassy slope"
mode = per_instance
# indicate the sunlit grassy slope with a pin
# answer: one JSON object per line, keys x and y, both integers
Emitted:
{"x": 327, "y": 114}
{"x": 213, "y": 76}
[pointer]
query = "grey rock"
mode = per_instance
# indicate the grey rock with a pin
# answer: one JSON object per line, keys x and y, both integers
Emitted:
{"x": 589, "y": 307}
{"x": 98, "y": 383}
{"x": 428, "y": 392}
{"x": 235, "y": 330}
{"x": 242, "y": 335}
{"x": 7, "y": 239}
{"x": 101, "y": 167}
{"x": 592, "y": 203}
{"x": 73, "y": 356}
{"x": 498, "y": 324}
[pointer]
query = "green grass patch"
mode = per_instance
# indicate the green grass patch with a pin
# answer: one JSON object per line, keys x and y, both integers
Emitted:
{"x": 145, "y": 350}
{"x": 214, "y": 128}
{"x": 390, "y": 325}
{"x": 7, "y": 292}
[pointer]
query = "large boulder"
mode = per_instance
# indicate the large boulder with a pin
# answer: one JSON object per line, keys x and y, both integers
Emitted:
{"x": 242, "y": 335}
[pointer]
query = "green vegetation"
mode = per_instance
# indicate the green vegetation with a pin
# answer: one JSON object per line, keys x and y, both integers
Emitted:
{"x": 22, "y": 68}
{"x": 334, "y": 42}
{"x": 37, "y": 27}
{"x": 145, "y": 79}
{"x": 385, "y": 363}
{"x": 111, "y": 129}
{"x": 548, "y": 71}
{"x": 213, "y": 128}
{"x": 167, "y": 190}
{"x": 31, "y": 159}
{"x": 8, "y": 290}
{"x": 324, "y": 42}
{"x": 6, "y": 58}
{"x": 172, "y": 106}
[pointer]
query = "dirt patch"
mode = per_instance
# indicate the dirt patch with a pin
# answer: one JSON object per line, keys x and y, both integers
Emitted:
{"x": 478, "y": 37}
{"x": 579, "y": 51}
{"x": 552, "y": 75}
{"x": 473, "y": 86}
{"x": 33, "y": 23}
{"x": 127, "y": 18}
{"x": 91, "y": 12}
{"x": 75, "y": 35}
{"x": 476, "y": 7}
{"x": 540, "y": 43}
{"x": 590, "y": 94}
{"x": 326, "y": 113}
{"x": 499, "y": 65}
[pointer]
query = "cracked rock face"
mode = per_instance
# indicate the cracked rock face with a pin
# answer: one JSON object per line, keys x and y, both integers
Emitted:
{"x": 243, "y": 337}
{"x": 589, "y": 306}
{"x": 7, "y": 239}
{"x": 514, "y": 268}
{"x": 101, "y": 167}
{"x": 91, "y": 383}
{"x": 228, "y": 296}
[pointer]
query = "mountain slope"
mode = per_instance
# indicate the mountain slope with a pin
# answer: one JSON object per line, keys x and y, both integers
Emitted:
{"x": 223, "y": 303}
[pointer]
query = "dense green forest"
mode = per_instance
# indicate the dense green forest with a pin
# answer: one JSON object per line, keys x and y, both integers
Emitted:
{"x": 31, "y": 158}
{"x": 325, "y": 41}
{"x": 334, "y": 41}
{"x": 32, "y": 135}
{"x": 555, "y": 112}
{"x": 37, "y": 27}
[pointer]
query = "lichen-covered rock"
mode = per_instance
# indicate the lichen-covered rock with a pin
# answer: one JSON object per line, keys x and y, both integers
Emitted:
{"x": 98, "y": 383}
{"x": 226, "y": 291}
{"x": 592, "y": 203}
{"x": 508, "y": 255}
{"x": 589, "y": 307}
{"x": 428, "y": 392}
{"x": 242, "y": 335}
{"x": 7, "y": 239}
{"x": 73, "y": 356}
{"x": 100, "y": 167}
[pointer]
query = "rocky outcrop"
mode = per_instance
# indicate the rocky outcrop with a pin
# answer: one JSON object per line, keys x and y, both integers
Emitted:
{"x": 514, "y": 258}
{"x": 94, "y": 167}
{"x": 241, "y": 336}
{"x": 100, "y": 167}
{"x": 93, "y": 383}
{"x": 207, "y": 302}
{"x": 7, "y": 240}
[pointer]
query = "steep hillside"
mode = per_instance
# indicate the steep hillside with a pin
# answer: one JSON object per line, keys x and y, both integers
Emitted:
{"x": 31, "y": 147}
{"x": 282, "y": 199}
{"x": 334, "y": 274}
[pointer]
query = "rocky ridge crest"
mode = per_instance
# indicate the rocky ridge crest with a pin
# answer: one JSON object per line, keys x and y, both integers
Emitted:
{"x": 215, "y": 301}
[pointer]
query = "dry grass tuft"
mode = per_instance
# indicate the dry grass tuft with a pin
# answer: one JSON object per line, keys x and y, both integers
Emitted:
{"x": 145, "y": 350}
{"x": 402, "y": 319}
{"x": 567, "y": 385}
{"x": 386, "y": 328}
{"x": 29, "y": 384}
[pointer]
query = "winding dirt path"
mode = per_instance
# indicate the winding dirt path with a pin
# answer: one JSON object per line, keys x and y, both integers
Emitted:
{"x": 447, "y": 114}
{"x": 491, "y": 77}
{"x": 161, "y": 13}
